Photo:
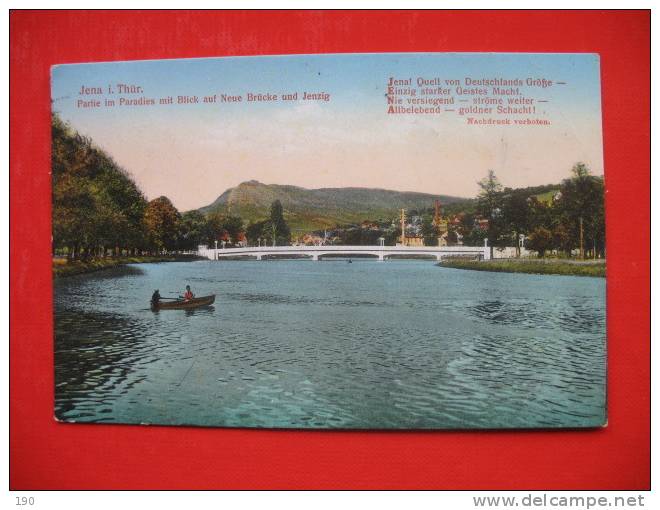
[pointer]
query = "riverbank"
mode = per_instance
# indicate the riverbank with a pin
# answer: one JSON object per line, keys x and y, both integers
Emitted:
{"x": 531, "y": 266}
{"x": 62, "y": 268}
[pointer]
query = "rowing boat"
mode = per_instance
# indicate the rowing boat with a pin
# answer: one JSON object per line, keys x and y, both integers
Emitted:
{"x": 181, "y": 304}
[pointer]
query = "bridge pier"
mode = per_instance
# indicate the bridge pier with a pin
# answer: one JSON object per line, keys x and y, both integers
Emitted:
{"x": 315, "y": 257}
{"x": 258, "y": 257}
{"x": 381, "y": 257}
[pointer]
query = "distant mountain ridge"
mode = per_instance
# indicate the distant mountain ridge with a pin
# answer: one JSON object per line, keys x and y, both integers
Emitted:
{"x": 313, "y": 209}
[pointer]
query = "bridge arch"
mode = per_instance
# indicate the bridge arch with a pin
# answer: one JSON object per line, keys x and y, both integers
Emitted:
{"x": 418, "y": 256}
{"x": 347, "y": 255}
{"x": 266, "y": 255}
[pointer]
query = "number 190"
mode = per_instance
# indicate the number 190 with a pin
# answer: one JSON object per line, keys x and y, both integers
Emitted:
{"x": 23, "y": 500}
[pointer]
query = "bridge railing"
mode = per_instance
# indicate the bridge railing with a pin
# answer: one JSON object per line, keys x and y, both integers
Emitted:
{"x": 260, "y": 251}
{"x": 360, "y": 247}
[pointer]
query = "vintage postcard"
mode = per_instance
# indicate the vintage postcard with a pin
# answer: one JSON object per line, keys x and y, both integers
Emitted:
{"x": 355, "y": 241}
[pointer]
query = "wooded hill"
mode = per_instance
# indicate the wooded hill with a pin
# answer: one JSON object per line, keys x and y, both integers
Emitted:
{"x": 314, "y": 209}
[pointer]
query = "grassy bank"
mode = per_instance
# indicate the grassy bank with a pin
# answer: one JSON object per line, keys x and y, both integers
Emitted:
{"x": 62, "y": 268}
{"x": 532, "y": 266}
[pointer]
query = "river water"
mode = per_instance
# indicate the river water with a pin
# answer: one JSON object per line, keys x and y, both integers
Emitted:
{"x": 297, "y": 343}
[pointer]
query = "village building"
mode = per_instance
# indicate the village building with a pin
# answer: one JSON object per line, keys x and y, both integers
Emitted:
{"x": 312, "y": 240}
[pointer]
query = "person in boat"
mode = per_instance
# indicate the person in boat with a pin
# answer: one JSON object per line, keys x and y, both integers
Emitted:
{"x": 155, "y": 298}
{"x": 188, "y": 295}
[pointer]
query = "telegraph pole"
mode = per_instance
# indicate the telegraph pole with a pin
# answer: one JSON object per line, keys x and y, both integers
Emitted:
{"x": 403, "y": 227}
{"x": 581, "y": 239}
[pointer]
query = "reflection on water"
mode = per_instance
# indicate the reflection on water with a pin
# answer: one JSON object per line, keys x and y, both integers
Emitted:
{"x": 397, "y": 344}
{"x": 572, "y": 315}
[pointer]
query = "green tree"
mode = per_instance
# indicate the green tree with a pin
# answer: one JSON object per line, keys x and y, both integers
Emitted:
{"x": 74, "y": 208}
{"x": 221, "y": 225}
{"x": 582, "y": 208}
{"x": 596, "y": 223}
{"x": 214, "y": 228}
{"x": 126, "y": 206}
{"x": 539, "y": 240}
{"x": 429, "y": 231}
{"x": 561, "y": 239}
{"x": 279, "y": 230}
{"x": 96, "y": 204}
{"x": 541, "y": 214}
{"x": 162, "y": 219}
{"x": 192, "y": 230}
{"x": 489, "y": 206}
{"x": 256, "y": 232}
{"x": 516, "y": 213}
{"x": 392, "y": 235}
{"x": 233, "y": 225}
{"x": 470, "y": 232}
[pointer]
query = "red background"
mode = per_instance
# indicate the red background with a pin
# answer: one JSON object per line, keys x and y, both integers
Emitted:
{"x": 48, "y": 455}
